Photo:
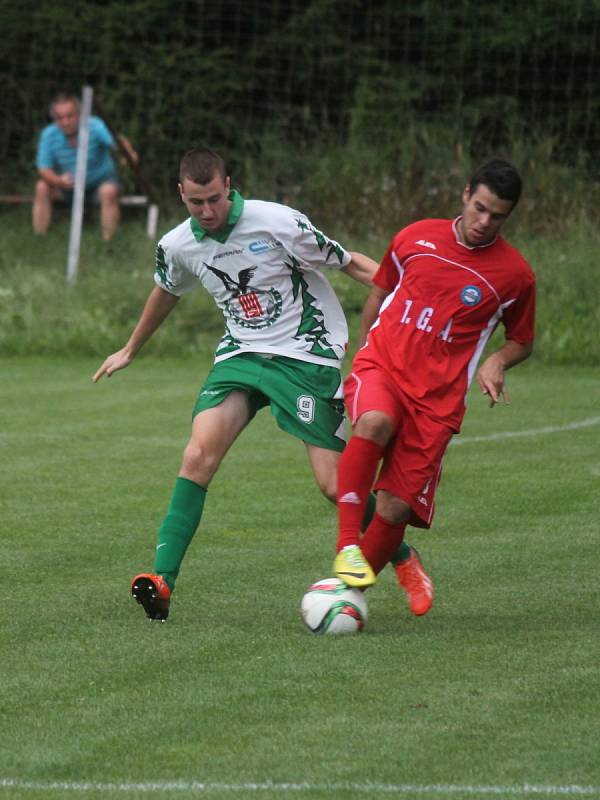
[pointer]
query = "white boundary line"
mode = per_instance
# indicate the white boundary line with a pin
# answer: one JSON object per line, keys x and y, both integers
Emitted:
{"x": 199, "y": 787}
{"x": 492, "y": 437}
{"x": 459, "y": 439}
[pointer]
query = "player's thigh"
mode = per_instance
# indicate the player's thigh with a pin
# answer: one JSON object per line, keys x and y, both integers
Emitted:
{"x": 370, "y": 393}
{"x": 214, "y": 430}
{"x": 412, "y": 465}
{"x": 306, "y": 402}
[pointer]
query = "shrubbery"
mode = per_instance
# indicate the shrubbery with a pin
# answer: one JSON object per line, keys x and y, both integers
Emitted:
{"x": 354, "y": 200}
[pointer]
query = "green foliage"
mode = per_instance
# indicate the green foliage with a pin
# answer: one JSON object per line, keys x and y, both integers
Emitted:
{"x": 169, "y": 74}
{"x": 348, "y": 192}
{"x": 568, "y": 274}
{"x": 39, "y": 313}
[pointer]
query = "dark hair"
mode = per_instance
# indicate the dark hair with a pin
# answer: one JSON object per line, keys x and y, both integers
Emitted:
{"x": 501, "y": 177}
{"x": 200, "y": 165}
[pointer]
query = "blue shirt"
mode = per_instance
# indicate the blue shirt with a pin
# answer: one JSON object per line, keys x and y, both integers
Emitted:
{"x": 55, "y": 152}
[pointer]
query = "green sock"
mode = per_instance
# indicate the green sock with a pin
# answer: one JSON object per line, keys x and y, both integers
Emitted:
{"x": 178, "y": 528}
{"x": 401, "y": 554}
{"x": 369, "y": 512}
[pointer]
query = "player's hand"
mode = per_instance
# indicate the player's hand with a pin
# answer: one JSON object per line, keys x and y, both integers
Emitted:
{"x": 113, "y": 363}
{"x": 490, "y": 378}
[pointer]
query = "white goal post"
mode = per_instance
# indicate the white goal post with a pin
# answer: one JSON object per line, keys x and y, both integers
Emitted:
{"x": 79, "y": 188}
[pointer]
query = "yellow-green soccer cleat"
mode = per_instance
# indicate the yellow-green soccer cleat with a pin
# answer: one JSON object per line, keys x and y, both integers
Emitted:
{"x": 353, "y": 568}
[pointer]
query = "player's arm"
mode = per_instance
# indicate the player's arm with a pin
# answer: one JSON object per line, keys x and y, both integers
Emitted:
{"x": 158, "y": 306}
{"x": 490, "y": 376}
{"x": 361, "y": 268}
{"x": 370, "y": 311}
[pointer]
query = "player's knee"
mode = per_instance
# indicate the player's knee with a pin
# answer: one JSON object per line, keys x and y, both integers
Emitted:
{"x": 374, "y": 425}
{"x": 199, "y": 463}
{"x": 328, "y": 490}
{"x": 392, "y": 508}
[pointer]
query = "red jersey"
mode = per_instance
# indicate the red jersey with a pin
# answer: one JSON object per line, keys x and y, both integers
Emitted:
{"x": 445, "y": 301}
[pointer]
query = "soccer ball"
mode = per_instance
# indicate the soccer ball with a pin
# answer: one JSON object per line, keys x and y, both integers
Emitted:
{"x": 329, "y": 606}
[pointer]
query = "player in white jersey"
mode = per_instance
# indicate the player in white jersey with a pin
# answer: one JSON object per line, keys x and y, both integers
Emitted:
{"x": 285, "y": 337}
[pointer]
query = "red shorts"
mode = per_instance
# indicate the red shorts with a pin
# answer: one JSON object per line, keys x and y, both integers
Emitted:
{"x": 412, "y": 462}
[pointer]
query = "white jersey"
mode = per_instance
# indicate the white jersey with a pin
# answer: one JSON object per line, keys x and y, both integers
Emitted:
{"x": 266, "y": 278}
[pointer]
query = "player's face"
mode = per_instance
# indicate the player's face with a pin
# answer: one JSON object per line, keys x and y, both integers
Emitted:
{"x": 208, "y": 203}
{"x": 484, "y": 213}
{"x": 66, "y": 116}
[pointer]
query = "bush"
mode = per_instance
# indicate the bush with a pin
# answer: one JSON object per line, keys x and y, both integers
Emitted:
{"x": 347, "y": 191}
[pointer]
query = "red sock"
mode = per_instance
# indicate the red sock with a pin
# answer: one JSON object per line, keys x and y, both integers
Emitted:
{"x": 356, "y": 475}
{"x": 380, "y": 542}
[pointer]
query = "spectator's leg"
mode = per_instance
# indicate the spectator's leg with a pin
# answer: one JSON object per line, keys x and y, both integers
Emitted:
{"x": 110, "y": 210}
{"x": 41, "y": 211}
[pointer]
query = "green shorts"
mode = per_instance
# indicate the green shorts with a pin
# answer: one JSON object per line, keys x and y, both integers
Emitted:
{"x": 305, "y": 398}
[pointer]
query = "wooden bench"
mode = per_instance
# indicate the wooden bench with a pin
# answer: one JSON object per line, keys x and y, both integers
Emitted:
{"x": 131, "y": 200}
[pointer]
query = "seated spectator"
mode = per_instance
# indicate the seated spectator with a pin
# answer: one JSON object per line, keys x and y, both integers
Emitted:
{"x": 56, "y": 163}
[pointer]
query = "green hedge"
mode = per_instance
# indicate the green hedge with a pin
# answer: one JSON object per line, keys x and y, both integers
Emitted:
{"x": 39, "y": 314}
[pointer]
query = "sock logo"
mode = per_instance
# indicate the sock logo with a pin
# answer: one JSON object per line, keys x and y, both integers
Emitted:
{"x": 350, "y": 497}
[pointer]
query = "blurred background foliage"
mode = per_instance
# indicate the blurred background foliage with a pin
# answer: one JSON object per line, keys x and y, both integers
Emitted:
{"x": 390, "y": 101}
{"x": 365, "y": 115}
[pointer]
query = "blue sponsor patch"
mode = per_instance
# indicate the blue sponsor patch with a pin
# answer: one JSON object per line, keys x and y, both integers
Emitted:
{"x": 262, "y": 245}
{"x": 470, "y": 295}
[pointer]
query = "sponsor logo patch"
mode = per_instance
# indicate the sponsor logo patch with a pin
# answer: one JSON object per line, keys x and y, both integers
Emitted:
{"x": 262, "y": 245}
{"x": 470, "y": 295}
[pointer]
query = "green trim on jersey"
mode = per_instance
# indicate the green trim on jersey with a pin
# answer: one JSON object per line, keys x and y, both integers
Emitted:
{"x": 304, "y": 398}
{"x": 312, "y": 322}
{"x": 235, "y": 212}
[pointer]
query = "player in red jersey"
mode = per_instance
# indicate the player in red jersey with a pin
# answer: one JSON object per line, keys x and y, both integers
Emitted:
{"x": 441, "y": 289}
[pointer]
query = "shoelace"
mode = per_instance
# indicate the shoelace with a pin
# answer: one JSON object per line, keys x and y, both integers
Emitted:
{"x": 355, "y": 557}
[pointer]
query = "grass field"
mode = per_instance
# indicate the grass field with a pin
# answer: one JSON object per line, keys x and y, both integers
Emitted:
{"x": 494, "y": 693}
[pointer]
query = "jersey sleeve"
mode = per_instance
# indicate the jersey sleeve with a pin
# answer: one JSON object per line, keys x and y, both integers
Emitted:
{"x": 311, "y": 246}
{"x": 519, "y": 317}
{"x": 171, "y": 275}
{"x": 388, "y": 274}
{"x": 102, "y": 132}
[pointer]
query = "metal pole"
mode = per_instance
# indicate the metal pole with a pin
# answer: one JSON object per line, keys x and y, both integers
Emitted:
{"x": 152, "y": 220}
{"x": 79, "y": 189}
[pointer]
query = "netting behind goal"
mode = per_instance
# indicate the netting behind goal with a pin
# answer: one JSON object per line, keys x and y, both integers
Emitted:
{"x": 171, "y": 73}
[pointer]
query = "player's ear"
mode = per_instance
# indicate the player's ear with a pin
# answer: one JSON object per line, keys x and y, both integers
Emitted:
{"x": 466, "y": 195}
{"x": 181, "y": 191}
{"x": 228, "y": 184}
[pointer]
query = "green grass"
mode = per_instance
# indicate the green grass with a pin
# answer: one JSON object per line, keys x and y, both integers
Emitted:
{"x": 497, "y": 687}
{"x": 39, "y": 314}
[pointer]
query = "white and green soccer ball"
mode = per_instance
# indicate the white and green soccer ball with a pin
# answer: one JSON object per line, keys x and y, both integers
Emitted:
{"x": 330, "y": 606}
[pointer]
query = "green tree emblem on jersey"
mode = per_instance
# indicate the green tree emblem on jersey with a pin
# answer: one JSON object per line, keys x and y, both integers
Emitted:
{"x": 162, "y": 268}
{"x": 312, "y": 322}
{"x": 323, "y": 243}
{"x": 228, "y": 344}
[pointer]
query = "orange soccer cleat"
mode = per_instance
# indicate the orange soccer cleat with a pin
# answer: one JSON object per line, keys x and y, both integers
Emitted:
{"x": 153, "y": 594}
{"x": 416, "y": 583}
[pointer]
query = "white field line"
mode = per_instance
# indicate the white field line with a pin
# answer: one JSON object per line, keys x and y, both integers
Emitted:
{"x": 492, "y": 437}
{"x": 199, "y": 787}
